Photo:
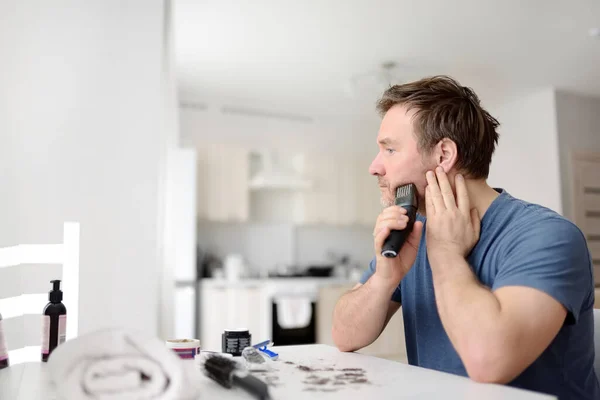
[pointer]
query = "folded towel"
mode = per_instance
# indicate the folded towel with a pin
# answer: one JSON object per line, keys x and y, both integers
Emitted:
{"x": 116, "y": 364}
{"x": 293, "y": 312}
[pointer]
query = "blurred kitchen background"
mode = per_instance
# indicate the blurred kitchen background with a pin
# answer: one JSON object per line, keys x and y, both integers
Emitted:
{"x": 277, "y": 113}
{"x": 216, "y": 152}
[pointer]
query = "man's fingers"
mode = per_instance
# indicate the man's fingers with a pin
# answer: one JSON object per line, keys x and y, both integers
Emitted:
{"x": 391, "y": 223}
{"x": 429, "y": 206}
{"x": 462, "y": 196}
{"x": 434, "y": 192}
{"x": 393, "y": 210}
{"x": 445, "y": 188}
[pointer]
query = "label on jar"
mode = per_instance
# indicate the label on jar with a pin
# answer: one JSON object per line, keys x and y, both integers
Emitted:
{"x": 62, "y": 329}
{"x": 3, "y": 349}
{"x": 234, "y": 342}
{"x": 45, "y": 334}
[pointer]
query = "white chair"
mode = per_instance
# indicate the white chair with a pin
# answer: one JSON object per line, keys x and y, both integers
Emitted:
{"x": 25, "y": 274}
{"x": 597, "y": 341}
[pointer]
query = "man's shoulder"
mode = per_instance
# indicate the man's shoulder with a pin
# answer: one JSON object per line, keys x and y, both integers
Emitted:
{"x": 532, "y": 229}
{"x": 531, "y": 218}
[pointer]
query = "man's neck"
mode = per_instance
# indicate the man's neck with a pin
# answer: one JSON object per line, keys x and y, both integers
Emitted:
{"x": 481, "y": 195}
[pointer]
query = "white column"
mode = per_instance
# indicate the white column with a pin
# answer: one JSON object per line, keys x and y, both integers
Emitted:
{"x": 83, "y": 138}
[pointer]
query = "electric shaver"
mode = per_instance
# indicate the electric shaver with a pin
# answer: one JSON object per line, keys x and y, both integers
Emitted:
{"x": 406, "y": 197}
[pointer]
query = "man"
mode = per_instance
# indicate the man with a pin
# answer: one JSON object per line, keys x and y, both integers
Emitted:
{"x": 492, "y": 287}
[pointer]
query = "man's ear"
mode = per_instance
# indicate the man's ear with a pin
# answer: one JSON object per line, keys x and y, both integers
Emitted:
{"x": 446, "y": 154}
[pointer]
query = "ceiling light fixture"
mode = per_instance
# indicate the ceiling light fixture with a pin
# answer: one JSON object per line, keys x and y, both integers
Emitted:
{"x": 374, "y": 81}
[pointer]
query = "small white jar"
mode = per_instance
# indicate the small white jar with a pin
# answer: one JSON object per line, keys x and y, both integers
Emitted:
{"x": 186, "y": 349}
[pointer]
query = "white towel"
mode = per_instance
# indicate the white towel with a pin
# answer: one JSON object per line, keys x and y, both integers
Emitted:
{"x": 115, "y": 364}
{"x": 293, "y": 312}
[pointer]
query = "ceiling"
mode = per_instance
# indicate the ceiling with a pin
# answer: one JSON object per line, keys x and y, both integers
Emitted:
{"x": 299, "y": 56}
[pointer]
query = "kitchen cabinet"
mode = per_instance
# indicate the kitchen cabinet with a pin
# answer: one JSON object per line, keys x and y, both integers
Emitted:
{"x": 319, "y": 204}
{"x": 213, "y": 318}
{"x": 231, "y": 307}
{"x": 223, "y": 174}
{"x": 368, "y": 196}
{"x": 390, "y": 344}
{"x": 348, "y": 196}
{"x": 341, "y": 191}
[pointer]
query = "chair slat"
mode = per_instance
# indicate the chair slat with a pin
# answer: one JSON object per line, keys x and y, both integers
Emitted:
{"x": 22, "y": 308}
{"x": 31, "y": 254}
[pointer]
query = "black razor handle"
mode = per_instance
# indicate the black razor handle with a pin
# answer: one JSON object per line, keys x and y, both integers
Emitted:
{"x": 406, "y": 197}
{"x": 393, "y": 243}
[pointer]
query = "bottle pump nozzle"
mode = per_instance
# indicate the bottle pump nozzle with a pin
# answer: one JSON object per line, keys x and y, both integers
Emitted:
{"x": 55, "y": 295}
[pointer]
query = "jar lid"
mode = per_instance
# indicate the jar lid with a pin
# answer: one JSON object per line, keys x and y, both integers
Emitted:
{"x": 182, "y": 343}
{"x": 237, "y": 330}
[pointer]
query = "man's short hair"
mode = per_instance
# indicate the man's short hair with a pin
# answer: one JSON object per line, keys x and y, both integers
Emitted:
{"x": 445, "y": 109}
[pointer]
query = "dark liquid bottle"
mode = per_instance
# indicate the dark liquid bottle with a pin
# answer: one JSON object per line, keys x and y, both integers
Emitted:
{"x": 54, "y": 321}
{"x": 3, "y": 349}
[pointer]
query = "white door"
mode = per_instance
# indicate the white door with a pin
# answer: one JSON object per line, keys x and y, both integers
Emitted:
{"x": 586, "y": 204}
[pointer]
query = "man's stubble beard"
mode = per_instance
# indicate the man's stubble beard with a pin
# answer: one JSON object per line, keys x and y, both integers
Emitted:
{"x": 385, "y": 203}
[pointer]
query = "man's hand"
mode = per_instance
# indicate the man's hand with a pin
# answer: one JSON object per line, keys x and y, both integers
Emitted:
{"x": 392, "y": 270}
{"x": 452, "y": 226}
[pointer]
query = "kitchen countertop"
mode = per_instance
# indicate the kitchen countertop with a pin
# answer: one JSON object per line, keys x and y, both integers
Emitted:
{"x": 310, "y": 371}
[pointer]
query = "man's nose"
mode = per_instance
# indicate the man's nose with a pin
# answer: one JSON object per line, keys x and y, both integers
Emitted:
{"x": 376, "y": 167}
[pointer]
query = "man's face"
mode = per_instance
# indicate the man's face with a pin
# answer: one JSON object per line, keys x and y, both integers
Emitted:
{"x": 399, "y": 161}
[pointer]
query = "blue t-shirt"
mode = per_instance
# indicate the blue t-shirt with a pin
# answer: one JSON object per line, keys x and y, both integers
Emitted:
{"x": 520, "y": 244}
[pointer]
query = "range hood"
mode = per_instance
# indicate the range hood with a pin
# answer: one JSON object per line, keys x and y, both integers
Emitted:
{"x": 276, "y": 172}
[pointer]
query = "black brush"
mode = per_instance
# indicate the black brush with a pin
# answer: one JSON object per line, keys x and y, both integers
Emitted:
{"x": 406, "y": 197}
{"x": 226, "y": 372}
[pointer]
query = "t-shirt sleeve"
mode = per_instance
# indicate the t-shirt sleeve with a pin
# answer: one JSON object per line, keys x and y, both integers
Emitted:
{"x": 551, "y": 256}
{"x": 396, "y": 296}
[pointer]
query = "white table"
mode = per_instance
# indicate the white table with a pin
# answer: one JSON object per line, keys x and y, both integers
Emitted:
{"x": 386, "y": 380}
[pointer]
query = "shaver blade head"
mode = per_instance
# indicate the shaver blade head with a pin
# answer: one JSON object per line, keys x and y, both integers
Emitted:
{"x": 406, "y": 195}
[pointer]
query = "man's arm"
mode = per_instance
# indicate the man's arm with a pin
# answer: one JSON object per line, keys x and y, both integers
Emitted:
{"x": 362, "y": 314}
{"x": 496, "y": 334}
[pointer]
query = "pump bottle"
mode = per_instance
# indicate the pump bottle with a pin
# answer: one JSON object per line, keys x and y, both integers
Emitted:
{"x": 54, "y": 321}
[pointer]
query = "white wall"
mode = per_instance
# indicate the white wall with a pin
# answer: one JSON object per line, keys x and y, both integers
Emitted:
{"x": 578, "y": 131}
{"x": 83, "y": 139}
{"x": 526, "y": 162}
